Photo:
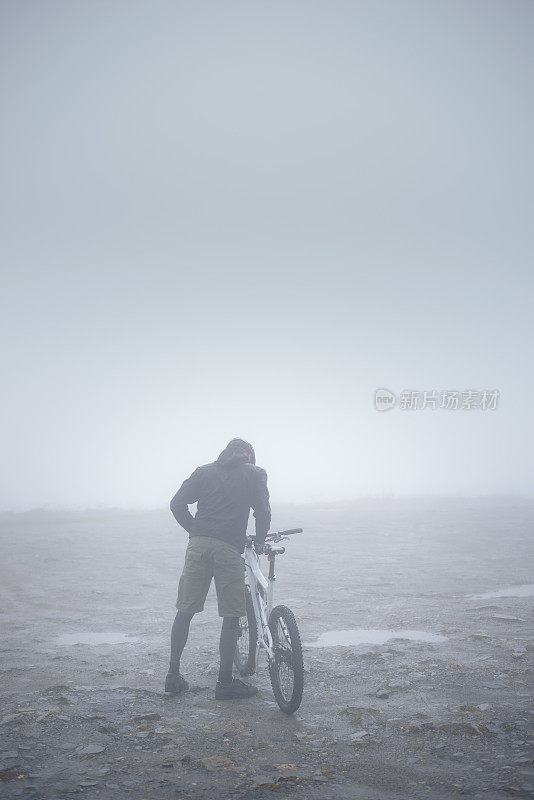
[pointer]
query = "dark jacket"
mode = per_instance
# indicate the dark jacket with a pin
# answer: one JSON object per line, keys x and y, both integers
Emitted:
{"x": 225, "y": 491}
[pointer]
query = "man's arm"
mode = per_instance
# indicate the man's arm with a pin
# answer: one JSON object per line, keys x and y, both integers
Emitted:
{"x": 186, "y": 494}
{"x": 261, "y": 506}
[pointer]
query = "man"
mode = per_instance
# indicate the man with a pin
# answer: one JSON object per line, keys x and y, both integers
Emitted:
{"x": 225, "y": 491}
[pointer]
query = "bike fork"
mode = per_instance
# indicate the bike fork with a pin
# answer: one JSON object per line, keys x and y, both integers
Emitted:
{"x": 265, "y": 612}
{"x": 256, "y": 578}
{"x": 270, "y": 586}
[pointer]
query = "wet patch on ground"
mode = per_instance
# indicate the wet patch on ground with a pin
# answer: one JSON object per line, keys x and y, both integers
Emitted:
{"x": 523, "y": 590}
{"x": 356, "y": 636}
{"x": 95, "y": 638}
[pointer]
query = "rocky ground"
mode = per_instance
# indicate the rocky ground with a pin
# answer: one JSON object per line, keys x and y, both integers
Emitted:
{"x": 402, "y": 719}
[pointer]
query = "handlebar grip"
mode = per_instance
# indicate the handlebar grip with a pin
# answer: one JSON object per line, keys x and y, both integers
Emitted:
{"x": 293, "y": 530}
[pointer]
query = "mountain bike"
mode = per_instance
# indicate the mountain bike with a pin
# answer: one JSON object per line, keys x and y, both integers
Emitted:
{"x": 273, "y": 630}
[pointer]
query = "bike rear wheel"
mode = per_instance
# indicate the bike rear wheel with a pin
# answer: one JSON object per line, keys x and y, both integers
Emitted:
{"x": 245, "y": 651}
{"x": 286, "y": 668}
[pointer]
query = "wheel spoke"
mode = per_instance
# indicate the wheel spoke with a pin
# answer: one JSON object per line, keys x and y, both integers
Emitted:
{"x": 245, "y": 652}
{"x": 284, "y": 661}
{"x": 284, "y": 655}
{"x": 286, "y": 667}
{"x": 243, "y": 639}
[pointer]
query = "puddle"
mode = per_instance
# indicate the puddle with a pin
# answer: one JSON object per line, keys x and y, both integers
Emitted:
{"x": 355, "y": 636}
{"x": 521, "y": 590}
{"x": 92, "y": 637}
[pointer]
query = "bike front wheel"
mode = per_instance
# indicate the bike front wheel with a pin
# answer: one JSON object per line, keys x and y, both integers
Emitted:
{"x": 245, "y": 651}
{"x": 286, "y": 668}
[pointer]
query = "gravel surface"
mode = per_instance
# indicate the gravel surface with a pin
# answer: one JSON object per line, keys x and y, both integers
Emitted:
{"x": 87, "y": 601}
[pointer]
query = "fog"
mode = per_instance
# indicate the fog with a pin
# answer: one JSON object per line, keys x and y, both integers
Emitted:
{"x": 241, "y": 219}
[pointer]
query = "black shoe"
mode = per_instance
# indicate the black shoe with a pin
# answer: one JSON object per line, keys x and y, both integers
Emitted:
{"x": 175, "y": 684}
{"x": 237, "y": 690}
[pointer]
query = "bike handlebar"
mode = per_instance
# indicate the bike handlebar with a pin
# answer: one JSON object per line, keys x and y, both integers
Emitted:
{"x": 274, "y": 537}
{"x": 284, "y": 533}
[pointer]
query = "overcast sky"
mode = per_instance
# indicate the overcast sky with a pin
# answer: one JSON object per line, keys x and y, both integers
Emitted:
{"x": 239, "y": 219}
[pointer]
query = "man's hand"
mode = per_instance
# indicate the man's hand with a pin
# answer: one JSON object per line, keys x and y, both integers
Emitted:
{"x": 258, "y": 547}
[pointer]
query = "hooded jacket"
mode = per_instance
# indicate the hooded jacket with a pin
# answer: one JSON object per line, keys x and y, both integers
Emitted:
{"x": 225, "y": 491}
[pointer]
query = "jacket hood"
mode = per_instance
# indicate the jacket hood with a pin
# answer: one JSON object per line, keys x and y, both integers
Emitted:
{"x": 236, "y": 452}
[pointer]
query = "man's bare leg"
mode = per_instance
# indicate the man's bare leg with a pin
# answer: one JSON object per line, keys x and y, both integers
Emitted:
{"x": 228, "y": 689}
{"x": 174, "y": 682}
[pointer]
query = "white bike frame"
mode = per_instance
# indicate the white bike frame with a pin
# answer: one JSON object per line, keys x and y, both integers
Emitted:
{"x": 262, "y": 607}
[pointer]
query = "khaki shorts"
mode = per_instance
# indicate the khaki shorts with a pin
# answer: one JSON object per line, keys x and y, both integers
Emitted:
{"x": 207, "y": 558}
